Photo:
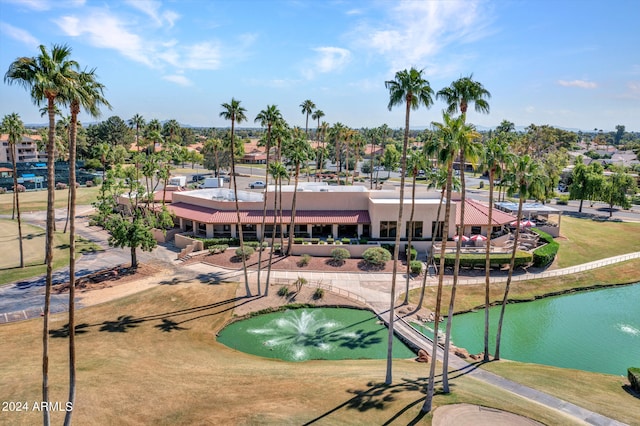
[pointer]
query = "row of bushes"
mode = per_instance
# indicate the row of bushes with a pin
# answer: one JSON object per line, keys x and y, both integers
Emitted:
{"x": 391, "y": 247}
{"x": 472, "y": 260}
{"x": 544, "y": 255}
{"x": 209, "y": 242}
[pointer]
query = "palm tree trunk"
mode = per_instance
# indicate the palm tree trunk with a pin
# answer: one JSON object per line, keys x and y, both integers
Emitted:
{"x": 430, "y": 258}
{"x": 273, "y": 234}
{"x": 16, "y": 203}
{"x": 456, "y": 271}
{"x": 72, "y": 263}
{"x": 396, "y": 249}
{"x": 509, "y": 276}
{"x": 487, "y": 269}
{"x": 264, "y": 207}
{"x": 239, "y": 221}
{"x": 281, "y": 223}
{"x": 428, "y": 402}
{"x": 66, "y": 220}
{"x": 293, "y": 210}
{"x": 413, "y": 207}
{"x": 48, "y": 255}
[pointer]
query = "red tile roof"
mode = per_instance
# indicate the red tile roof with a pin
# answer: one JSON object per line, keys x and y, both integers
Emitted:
{"x": 209, "y": 215}
{"x": 477, "y": 214}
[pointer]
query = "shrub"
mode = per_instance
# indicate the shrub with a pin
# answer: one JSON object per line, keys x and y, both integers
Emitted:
{"x": 318, "y": 294}
{"x": 299, "y": 283}
{"x": 276, "y": 247}
{"x": 633, "y": 373}
{"x": 388, "y": 247}
{"x": 315, "y": 240}
{"x": 376, "y": 255}
{"x": 346, "y": 241}
{"x": 89, "y": 183}
{"x": 523, "y": 258}
{"x": 329, "y": 240}
{"x": 92, "y": 164}
{"x": 21, "y": 188}
{"x": 97, "y": 180}
{"x": 563, "y": 200}
{"x": 208, "y": 242}
{"x": 340, "y": 255}
{"x": 544, "y": 255}
{"x": 218, "y": 248}
{"x": 256, "y": 245}
{"x": 416, "y": 267}
{"x": 61, "y": 185}
{"x": 414, "y": 253}
{"x": 246, "y": 253}
{"x": 3, "y": 190}
{"x": 363, "y": 240}
{"x": 304, "y": 260}
{"x": 283, "y": 291}
{"x": 298, "y": 240}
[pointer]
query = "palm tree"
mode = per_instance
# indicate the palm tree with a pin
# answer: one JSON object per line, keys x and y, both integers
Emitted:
{"x": 267, "y": 118}
{"x": 236, "y": 114}
{"x": 415, "y": 162}
{"x": 12, "y": 125}
{"x": 137, "y": 122}
{"x": 170, "y": 129}
{"x": 411, "y": 89}
{"x": 464, "y": 139}
{"x": 495, "y": 154}
{"x": 529, "y": 182}
{"x": 307, "y": 108}
{"x": 337, "y": 133}
{"x": 298, "y": 152}
{"x": 48, "y": 77}
{"x": 278, "y": 171}
{"x": 88, "y": 93}
{"x": 317, "y": 115}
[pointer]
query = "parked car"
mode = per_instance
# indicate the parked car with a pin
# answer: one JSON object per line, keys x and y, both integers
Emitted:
{"x": 197, "y": 178}
{"x": 257, "y": 185}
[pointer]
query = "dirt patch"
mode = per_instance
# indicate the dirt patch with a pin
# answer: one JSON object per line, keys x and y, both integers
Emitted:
{"x": 476, "y": 415}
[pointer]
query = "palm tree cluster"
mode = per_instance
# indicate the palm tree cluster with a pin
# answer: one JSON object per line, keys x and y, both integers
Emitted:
{"x": 453, "y": 139}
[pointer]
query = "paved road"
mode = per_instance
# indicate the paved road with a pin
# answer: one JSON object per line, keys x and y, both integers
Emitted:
{"x": 25, "y": 299}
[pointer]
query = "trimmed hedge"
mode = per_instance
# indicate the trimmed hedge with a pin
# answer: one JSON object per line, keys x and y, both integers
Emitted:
{"x": 414, "y": 252}
{"x": 633, "y": 374}
{"x": 340, "y": 254}
{"x": 544, "y": 255}
{"x": 218, "y": 248}
{"x": 248, "y": 251}
{"x": 416, "y": 267}
{"x": 208, "y": 242}
{"x": 476, "y": 259}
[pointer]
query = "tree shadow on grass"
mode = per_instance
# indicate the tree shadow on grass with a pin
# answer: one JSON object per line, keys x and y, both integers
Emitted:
{"x": 168, "y": 326}
{"x": 63, "y": 332}
{"x": 121, "y": 325}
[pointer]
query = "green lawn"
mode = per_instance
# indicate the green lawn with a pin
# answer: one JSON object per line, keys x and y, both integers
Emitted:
{"x": 586, "y": 240}
{"x": 33, "y": 248}
{"x": 37, "y": 200}
{"x": 153, "y": 358}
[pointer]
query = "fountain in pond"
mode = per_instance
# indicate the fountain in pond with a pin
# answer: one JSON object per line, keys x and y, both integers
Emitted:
{"x": 304, "y": 334}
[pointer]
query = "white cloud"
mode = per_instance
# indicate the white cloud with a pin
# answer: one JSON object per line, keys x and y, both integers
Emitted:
{"x": 19, "y": 34}
{"x": 152, "y": 9}
{"x": 414, "y": 32}
{"x": 178, "y": 79}
{"x": 583, "y": 84}
{"x": 328, "y": 59}
{"x": 202, "y": 56}
{"x": 43, "y": 5}
{"x": 104, "y": 30}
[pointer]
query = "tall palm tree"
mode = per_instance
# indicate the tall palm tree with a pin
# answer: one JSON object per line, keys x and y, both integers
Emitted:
{"x": 465, "y": 140}
{"x": 13, "y": 126}
{"x": 494, "y": 156}
{"x": 267, "y": 118}
{"x": 298, "y": 152}
{"x": 88, "y": 93}
{"x": 317, "y": 115}
{"x": 171, "y": 129}
{"x": 48, "y": 77}
{"x": 337, "y": 134}
{"x": 137, "y": 122}
{"x": 307, "y": 108}
{"x": 411, "y": 89}
{"x": 529, "y": 183}
{"x": 415, "y": 162}
{"x": 278, "y": 171}
{"x": 236, "y": 114}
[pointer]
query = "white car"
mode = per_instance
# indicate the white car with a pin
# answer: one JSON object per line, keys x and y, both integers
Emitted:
{"x": 257, "y": 185}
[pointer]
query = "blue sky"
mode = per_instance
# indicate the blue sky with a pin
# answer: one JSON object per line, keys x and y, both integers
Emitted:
{"x": 573, "y": 64}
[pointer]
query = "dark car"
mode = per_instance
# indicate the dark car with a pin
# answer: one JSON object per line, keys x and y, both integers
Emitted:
{"x": 197, "y": 178}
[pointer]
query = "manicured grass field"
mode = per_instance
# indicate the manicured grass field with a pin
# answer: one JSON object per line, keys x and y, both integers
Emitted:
{"x": 586, "y": 240}
{"x": 33, "y": 248}
{"x": 37, "y": 200}
{"x": 152, "y": 358}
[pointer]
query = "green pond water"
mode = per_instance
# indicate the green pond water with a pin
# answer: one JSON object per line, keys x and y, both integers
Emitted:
{"x": 319, "y": 333}
{"x": 595, "y": 331}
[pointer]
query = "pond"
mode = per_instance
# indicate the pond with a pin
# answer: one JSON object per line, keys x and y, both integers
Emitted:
{"x": 596, "y": 331}
{"x": 313, "y": 333}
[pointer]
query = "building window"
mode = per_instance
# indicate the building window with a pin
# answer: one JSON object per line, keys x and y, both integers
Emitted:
{"x": 476, "y": 229}
{"x": 417, "y": 229}
{"x": 437, "y": 229}
{"x": 202, "y": 228}
{"x": 388, "y": 229}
